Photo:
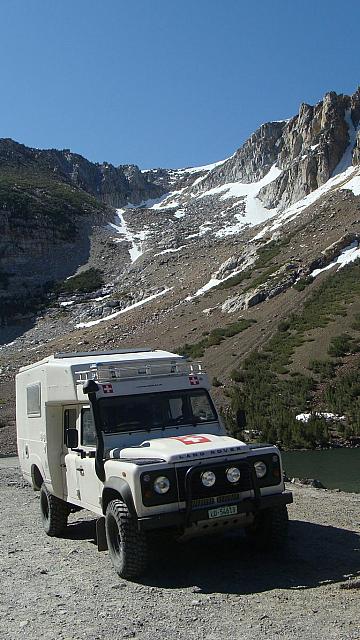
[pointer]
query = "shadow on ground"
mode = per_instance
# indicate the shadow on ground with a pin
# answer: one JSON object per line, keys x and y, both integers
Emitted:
{"x": 316, "y": 554}
{"x": 81, "y": 529}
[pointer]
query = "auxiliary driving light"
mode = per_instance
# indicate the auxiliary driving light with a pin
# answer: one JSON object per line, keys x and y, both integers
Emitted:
{"x": 260, "y": 468}
{"x": 208, "y": 478}
{"x": 162, "y": 484}
{"x": 233, "y": 474}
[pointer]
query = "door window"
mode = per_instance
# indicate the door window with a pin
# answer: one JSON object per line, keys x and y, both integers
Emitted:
{"x": 69, "y": 420}
{"x": 88, "y": 433}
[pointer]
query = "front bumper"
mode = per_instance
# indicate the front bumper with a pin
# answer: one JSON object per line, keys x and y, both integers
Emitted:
{"x": 182, "y": 519}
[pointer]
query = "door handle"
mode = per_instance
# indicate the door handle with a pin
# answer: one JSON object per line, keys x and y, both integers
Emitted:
{"x": 81, "y": 470}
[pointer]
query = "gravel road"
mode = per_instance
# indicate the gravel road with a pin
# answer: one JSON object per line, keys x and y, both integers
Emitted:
{"x": 211, "y": 589}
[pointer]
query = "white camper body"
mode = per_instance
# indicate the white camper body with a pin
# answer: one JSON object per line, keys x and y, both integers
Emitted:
{"x": 134, "y": 437}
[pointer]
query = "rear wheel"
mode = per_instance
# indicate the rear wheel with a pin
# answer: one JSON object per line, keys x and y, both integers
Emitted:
{"x": 54, "y": 512}
{"x": 127, "y": 546}
{"x": 269, "y": 529}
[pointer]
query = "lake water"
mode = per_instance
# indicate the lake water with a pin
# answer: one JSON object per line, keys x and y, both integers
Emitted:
{"x": 335, "y": 468}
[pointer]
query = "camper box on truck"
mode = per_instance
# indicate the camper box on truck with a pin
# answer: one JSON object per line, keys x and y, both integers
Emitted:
{"x": 134, "y": 437}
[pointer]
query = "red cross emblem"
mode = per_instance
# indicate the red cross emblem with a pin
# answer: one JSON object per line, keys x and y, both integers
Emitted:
{"x": 192, "y": 439}
{"x": 193, "y": 379}
{"x": 107, "y": 388}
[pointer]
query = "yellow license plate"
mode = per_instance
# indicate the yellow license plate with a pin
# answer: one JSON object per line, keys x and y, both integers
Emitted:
{"x": 222, "y": 512}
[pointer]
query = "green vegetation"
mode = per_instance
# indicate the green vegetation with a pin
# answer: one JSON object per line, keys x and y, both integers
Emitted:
{"x": 269, "y": 396}
{"x": 325, "y": 369}
{"x": 234, "y": 280}
{"x": 216, "y": 336}
{"x": 356, "y": 324}
{"x": 343, "y": 397}
{"x": 260, "y": 279}
{"x": 83, "y": 282}
{"x": 36, "y": 194}
{"x": 302, "y": 283}
{"x": 340, "y": 345}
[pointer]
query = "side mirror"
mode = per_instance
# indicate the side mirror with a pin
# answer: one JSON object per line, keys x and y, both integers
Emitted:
{"x": 72, "y": 438}
{"x": 241, "y": 419}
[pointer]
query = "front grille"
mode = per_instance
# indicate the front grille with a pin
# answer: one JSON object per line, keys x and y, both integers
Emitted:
{"x": 229, "y": 497}
{"x": 203, "y": 502}
{"x": 208, "y": 502}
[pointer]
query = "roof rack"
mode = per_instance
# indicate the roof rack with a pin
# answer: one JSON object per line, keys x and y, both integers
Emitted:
{"x": 84, "y": 354}
{"x": 104, "y": 373}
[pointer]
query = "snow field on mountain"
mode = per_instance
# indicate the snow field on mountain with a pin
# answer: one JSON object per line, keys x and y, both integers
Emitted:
{"x": 135, "y": 240}
{"x": 255, "y": 211}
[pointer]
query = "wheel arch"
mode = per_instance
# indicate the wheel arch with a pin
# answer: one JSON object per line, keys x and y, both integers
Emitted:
{"x": 115, "y": 489}
{"x": 36, "y": 477}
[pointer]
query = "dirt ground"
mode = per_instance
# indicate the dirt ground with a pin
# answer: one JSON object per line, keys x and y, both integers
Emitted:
{"x": 210, "y": 589}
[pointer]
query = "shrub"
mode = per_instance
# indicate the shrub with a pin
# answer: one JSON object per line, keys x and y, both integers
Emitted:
{"x": 215, "y": 337}
{"x": 302, "y": 283}
{"x": 340, "y": 345}
{"x": 325, "y": 369}
{"x": 83, "y": 282}
{"x": 237, "y": 376}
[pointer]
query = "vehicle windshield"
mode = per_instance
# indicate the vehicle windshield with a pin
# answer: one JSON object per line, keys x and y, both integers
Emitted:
{"x": 155, "y": 410}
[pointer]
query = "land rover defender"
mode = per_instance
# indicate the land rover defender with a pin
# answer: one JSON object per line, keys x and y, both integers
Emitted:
{"x": 134, "y": 437}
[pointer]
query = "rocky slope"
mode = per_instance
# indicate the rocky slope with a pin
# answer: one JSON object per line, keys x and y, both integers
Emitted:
{"x": 187, "y": 251}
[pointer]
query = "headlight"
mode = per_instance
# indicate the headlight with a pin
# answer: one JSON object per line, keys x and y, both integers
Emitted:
{"x": 260, "y": 468}
{"x": 233, "y": 474}
{"x": 162, "y": 484}
{"x": 208, "y": 478}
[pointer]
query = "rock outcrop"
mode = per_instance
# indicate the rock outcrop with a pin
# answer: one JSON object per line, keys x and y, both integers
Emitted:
{"x": 116, "y": 186}
{"x": 307, "y": 148}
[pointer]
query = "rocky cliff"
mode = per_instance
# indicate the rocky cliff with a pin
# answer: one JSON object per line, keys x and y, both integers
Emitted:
{"x": 307, "y": 148}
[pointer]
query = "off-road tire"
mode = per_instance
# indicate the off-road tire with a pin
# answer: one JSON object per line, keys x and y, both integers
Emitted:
{"x": 269, "y": 529}
{"x": 127, "y": 546}
{"x": 54, "y": 512}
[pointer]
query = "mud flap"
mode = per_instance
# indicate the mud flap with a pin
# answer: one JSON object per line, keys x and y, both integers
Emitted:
{"x": 101, "y": 535}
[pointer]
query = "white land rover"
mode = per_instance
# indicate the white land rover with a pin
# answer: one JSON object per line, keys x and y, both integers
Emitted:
{"x": 134, "y": 437}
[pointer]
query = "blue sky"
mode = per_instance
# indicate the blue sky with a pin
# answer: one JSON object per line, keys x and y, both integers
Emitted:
{"x": 164, "y": 82}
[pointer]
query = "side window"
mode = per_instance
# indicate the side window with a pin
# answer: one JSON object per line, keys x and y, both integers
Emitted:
{"x": 69, "y": 421}
{"x": 33, "y": 400}
{"x": 88, "y": 433}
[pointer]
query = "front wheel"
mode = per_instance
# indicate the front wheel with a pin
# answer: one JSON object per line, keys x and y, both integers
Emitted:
{"x": 127, "y": 545}
{"x": 269, "y": 529}
{"x": 54, "y": 512}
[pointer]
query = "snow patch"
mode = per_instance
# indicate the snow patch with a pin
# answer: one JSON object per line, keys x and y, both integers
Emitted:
{"x": 161, "y": 253}
{"x": 353, "y": 185}
{"x": 92, "y": 323}
{"x": 255, "y": 212}
{"x": 214, "y": 281}
{"x": 295, "y": 209}
{"x": 135, "y": 240}
{"x": 305, "y": 417}
{"x": 348, "y": 255}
